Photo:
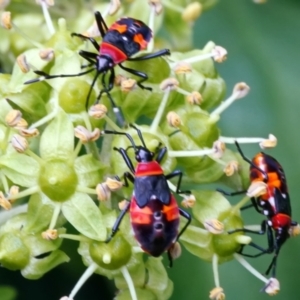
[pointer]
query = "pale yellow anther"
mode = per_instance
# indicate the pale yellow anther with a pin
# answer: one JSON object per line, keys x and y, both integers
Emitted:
{"x": 219, "y": 54}
{"x": 114, "y": 7}
{"x": 47, "y": 2}
{"x": 22, "y": 124}
{"x": 19, "y": 143}
{"x": 217, "y": 294}
{"x": 103, "y": 192}
{"x": 194, "y": 98}
{"x": 113, "y": 184}
{"x": 192, "y": 12}
{"x": 175, "y": 250}
{"x": 13, "y": 191}
{"x": 243, "y": 239}
{"x": 50, "y": 234}
{"x": 4, "y": 202}
{"x": 214, "y": 226}
{"x": 272, "y": 287}
{"x": 241, "y": 90}
{"x": 46, "y": 54}
{"x": 182, "y": 68}
{"x": 98, "y": 111}
{"x": 123, "y": 204}
{"x": 173, "y": 119}
{"x": 6, "y": 20}
{"x": 170, "y": 83}
{"x": 85, "y": 135}
{"x": 256, "y": 189}
{"x": 13, "y": 117}
{"x": 157, "y": 5}
{"x": 23, "y": 64}
{"x": 271, "y": 142}
{"x": 32, "y": 132}
{"x": 231, "y": 168}
{"x": 4, "y": 3}
{"x": 188, "y": 201}
{"x": 219, "y": 148}
{"x": 119, "y": 78}
{"x": 128, "y": 85}
{"x": 294, "y": 230}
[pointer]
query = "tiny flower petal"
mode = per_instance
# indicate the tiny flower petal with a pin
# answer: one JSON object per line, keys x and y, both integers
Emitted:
{"x": 175, "y": 250}
{"x": 192, "y": 12}
{"x": 32, "y": 132}
{"x": 98, "y": 111}
{"x": 6, "y": 20}
{"x": 217, "y": 294}
{"x": 214, "y": 226}
{"x": 23, "y": 64}
{"x": 171, "y": 83}
{"x": 219, "y": 147}
{"x": 128, "y": 85}
{"x": 219, "y": 54}
{"x": 271, "y": 142}
{"x": 188, "y": 201}
{"x": 272, "y": 287}
{"x": 194, "y": 98}
{"x": 256, "y": 189}
{"x": 182, "y": 68}
{"x": 114, "y": 7}
{"x": 13, "y": 117}
{"x": 113, "y": 184}
{"x": 173, "y": 119}
{"x": 50, "y": 234}
{"x": 241, "y": 90}
{"x": 46, "y": 54}
{"x": 231, "y": 168}
{"x": 5, "y": 203}
{"x": 19, "y": 143}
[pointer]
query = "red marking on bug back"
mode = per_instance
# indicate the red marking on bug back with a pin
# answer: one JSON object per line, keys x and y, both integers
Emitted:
{"x": 281, "y": 220}
{"x": 148, "y": 169}
{"x": 115, "y": 53}
{"x": 138, "y": 38}
{"x": 121, "y": 28}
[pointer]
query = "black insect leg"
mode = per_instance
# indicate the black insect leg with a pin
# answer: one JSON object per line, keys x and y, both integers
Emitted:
{"x": 93, "y": 41}
{"x": 151, "y": 55}
{"x": 124, "y": 154}
{"x": 139, "y": 134}
{"x": 101, "y": 24}
{"x": 179, "y": 174}
{"x": 144, "y": 77}
{"x": 118, "y": 222}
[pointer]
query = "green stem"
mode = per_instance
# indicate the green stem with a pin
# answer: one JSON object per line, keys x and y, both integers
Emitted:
{"x": 74, "y": 237}
{"x": 172, "y": 6}
{"x": 86, "y": 190}
{"x": 47, "y": 17}
{"x": 57, "y": 209}
{"x": 4, "y": 182}
{"x": 86, "y": 121}
{"x": 77, "y": 149}
{"x": 45, "y": 119}
{"x": 111, "y": 123}
{"x": 190, "y": 153}
{"x": 129, "y": 281}
{"x": 34, "y": 156}
{"x": 27, "y": 192}
{"x": 239, "y": 205}
{"x": 5, "y": 215}
{"x": 215, "y": 270}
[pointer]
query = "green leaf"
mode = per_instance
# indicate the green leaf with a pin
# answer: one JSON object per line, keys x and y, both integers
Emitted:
{"x": 57, "y": 141}
{"x": 20, "y": 169}
{"x": 85, "y": 216}
{"x": 38, "y": 267}
{"x": 89, "y": 170}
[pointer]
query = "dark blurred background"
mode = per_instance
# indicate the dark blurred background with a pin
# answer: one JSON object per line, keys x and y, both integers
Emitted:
{"x": 263, "y": 50}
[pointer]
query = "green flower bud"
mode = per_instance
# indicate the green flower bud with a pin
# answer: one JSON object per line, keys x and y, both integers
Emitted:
{"x": 58, "y": 180}
{"x": 14, "y": 255}
{"x": 112, "y": 255}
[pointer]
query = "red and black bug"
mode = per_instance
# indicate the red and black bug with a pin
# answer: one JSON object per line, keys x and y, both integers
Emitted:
{"x": 274, "y": 204}
{"x": 123, "y": 39}
{"x": 154, "y": 213}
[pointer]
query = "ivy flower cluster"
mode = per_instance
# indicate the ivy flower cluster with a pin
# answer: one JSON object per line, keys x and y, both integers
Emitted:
{"x": 57, "y": 165}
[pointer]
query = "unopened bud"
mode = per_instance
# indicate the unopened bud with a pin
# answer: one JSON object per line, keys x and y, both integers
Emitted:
{"x": 241, "y": 90}
{"x": 32, "y": 132}
{"x": 170, "y": 83}
{"x": 6, "y": 20}
{"x": 13, "y": 117}
{"x": 272, "y": 287}
{"x": 50, "y": 234}
{"x": 175, "y": 250}
{"x": 214, "y": 226}
{"x": 219, "y": 148}
{"x": 4, "y": 202}
{"x": 271, "y": 142}
{"x": 188, "y": 201}
{"x": 256, "y": 189}
{"x": 220, "y": 54}
{"x": 19, "y": 143}
{"x": 192, "y": 12}
{"x": 114, "y": 7}
{"x": 127, "y": 85}
{"x": 173, "y": 119}
{"x": 23, "y": 64}
{"x": 182, "y": 68}
{"x": 231, "y": 168}
{"x": 217, "y": 294}
{"x": 98, "y": 111}
{"x": 46, "y": 54}
{"x": 194, "y": 98}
